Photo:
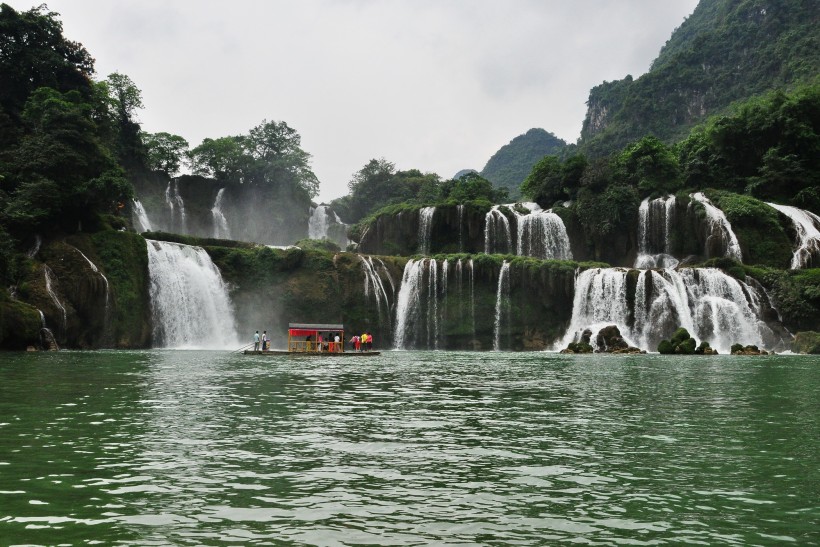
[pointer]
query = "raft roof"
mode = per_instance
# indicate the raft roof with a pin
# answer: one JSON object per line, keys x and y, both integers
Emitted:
{"x": 316, "y": 326}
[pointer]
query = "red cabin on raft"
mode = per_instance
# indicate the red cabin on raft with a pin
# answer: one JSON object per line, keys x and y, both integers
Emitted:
{"x": 308, "y": 337}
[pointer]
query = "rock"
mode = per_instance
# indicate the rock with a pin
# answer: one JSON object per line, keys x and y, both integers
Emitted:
{"x": 737, "y": 349}
{"x": 806, "y": 342}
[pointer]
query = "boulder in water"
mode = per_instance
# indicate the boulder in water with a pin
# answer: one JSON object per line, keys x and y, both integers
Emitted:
{"x": 609, "y": 338}
{"x": 806, "y": 342}
{"x": 681, "y": 344}
{"x": 739, "y": 349}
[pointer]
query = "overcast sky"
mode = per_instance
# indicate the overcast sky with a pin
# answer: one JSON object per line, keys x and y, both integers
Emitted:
{"x": 435, "y": 85}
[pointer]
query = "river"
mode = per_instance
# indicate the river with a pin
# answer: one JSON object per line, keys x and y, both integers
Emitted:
{"x": 409, "y": 448}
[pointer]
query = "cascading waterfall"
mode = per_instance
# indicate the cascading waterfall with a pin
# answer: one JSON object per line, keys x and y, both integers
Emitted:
{"x": 46, "y": 336}
{"x": 141, "y": 217}
{"x": 539, "y": 233}
{"x": 711, "y": 305}
{"x": 542, "y": 234}
{"x": 432, "y": 303}
{"x": 654, "y": 247}
{"x": 38, "y": 241}
{"x": 426, "y": 215}
{"x": 373, "y": 286}
{"x": 497, "y": 236}
{"x": 408, "y": 303}
{"x": 472, "y": 297}
{"x": 318, "y": 222}
{"x": 807, "y": 226}
{"x": 502, "y": 304}
{"x": 189, "y": 300}
{"x": 221, "y": 229}
{"x": 720, "y": 229}
{"x": 175, "y": 202}
{"x": 48, "y": 274}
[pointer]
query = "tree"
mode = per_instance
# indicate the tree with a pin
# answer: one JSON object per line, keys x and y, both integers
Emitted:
{"x": 279, "y": 158}
{"x": 551, "y": 180}
{"x": 165, "y": 151}
{"x": 470, "y": 187}
{"x": 648, "y": 165}
{"x": 223, "y": 159}
{"x": 34, "y": 54}
{"x": 125, "y": 99}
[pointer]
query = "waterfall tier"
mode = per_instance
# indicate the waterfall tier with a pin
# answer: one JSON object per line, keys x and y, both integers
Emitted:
{"x": 324, "y": 223}
{"x": 538, "y": 233}
{"x": 807, "y": 226}
{"x": 221, "y": 229}
{"x": 189, "y": 300}
{"x": 656, "y": 218}
{"x": 426, "y": 215}
{"x": 721, "y": 235}
{"x": 711, "y": 305}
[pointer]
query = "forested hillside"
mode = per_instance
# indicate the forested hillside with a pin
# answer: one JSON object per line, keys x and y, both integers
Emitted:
{"x": 727, "y": 50}
{"x": 508, "y": 167}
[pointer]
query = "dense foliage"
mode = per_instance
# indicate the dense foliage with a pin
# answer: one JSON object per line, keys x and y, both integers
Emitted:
{"x": 508, "y": 167}
{"x": 727, "y": 50}
{"x": 65, "y": 140}
{"x": 378, "y": 185}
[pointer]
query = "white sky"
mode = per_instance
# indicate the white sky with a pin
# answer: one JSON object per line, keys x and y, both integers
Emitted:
{"x": 435, "y": 85}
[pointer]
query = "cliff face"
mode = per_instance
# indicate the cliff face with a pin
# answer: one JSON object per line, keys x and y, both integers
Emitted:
{"x": 726, "y": 51}
{"x": 91, "y": 291}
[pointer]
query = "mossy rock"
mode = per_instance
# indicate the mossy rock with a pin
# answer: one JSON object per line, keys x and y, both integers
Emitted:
{"x": 806, "y": 342}
{"x": 666, "y": 347}
{"x": 19, "y": 325}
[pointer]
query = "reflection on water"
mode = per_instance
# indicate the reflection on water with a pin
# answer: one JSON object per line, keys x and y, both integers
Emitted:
{"x": 157, "y": 447}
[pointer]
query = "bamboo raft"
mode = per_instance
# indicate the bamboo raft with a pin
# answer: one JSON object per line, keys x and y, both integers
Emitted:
{"x": 318, "y": 342}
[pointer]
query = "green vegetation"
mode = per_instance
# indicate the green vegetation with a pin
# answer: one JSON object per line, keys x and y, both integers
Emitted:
{"x": 806, "y": 342}
{"x": 796, "y": 294}
{"x": 508, "y": 167}
{"x": 681, "y": 343}
{"x": 724, "y": 52}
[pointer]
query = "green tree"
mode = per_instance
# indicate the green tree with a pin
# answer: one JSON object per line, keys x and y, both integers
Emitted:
{"x": 165, "y": 151}
{"x": 223, "y": 159}
{"x": 650, "y": 166}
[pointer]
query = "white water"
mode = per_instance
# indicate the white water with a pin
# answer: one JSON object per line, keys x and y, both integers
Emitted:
{"x": 807, "y": 226}
{"x": 502, "y": 304}
{"x": 142, "y": 222}
{"x": 711, "y": 305}
{"x": 38, "y": 241}
{"x": 426, "y": 215}
{"x": 654, "y": 252}
{"x": 50, "y": 290}
{"x": 497, "y": 236}
{"x": 189, "y": 300}
{"x": 542, "y": 234}
{"x": 720, "y": 228}
{"x": 539, "y": 233}
{"x": 408, "y": 303}
{"x": 174, "y": 201}
{"x": 373, "y": 286}
{"x": 221, "y": 229}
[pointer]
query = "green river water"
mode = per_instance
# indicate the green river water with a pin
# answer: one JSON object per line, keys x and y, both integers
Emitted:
{"x": 409, "y": 448}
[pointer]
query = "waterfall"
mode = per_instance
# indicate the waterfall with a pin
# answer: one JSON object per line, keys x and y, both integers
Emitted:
{"x": 408, "y": 302}
{"x": 497, "y": 224}
{"x": 711, "y": 305}
{"x": 426, "y": 229}
{"x": 654, "y": 228}
{"x": 318, "y": 222}
{"x": 141, "y": 217}
{"x": 542, "y": 234}
{"x": 47, "y": 273}
{"x": 174, "y": 201}
{"x": 47, "y": 338}
{"x": 432, "y": 303}
{"x": 539, "y": 233}
{"x": 102, "y": 276}
{"x": 221, "y": 229}
{"x": 502, "y": 304}
{"x": 189, "y": 301}
{"x": 807, "y": 226}
{"x": 472, "y": 297}
{"x": 720, "y": 229}
{"x": 324, "y": 223}
{"x": 460, "y": 212}
{"x": 373, "y": 285}
{"x": 38, "y": 241}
